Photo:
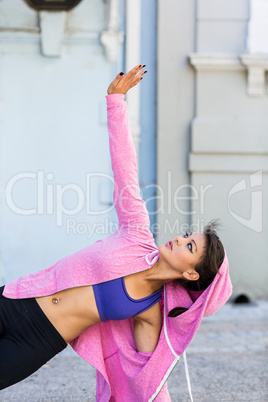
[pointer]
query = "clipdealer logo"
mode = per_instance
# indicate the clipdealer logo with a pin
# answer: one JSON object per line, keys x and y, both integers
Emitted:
{"x": 254, "y": 222}
{"x": 50, "y": 196}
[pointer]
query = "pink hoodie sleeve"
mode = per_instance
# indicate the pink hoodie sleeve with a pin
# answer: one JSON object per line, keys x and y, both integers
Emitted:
{"x": 131, "y": 209}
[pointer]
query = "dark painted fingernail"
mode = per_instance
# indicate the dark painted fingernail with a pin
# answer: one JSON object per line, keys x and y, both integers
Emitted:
{"x": 121, "y": 73}
{"x": 144, "y": 65}
{"x": 141, "y": 78}
{"x": 140, "y": 65}
{"x": 145, "y": 72}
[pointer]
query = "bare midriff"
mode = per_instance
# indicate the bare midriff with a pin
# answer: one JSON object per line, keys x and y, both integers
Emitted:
{"x": 71, "y": 311}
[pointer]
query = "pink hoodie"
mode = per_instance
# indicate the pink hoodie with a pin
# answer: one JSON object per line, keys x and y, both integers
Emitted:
{"x": 123, "y": 374}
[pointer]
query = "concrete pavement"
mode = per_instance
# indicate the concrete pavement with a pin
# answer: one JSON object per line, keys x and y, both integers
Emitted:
{"x": 228, "y": 361}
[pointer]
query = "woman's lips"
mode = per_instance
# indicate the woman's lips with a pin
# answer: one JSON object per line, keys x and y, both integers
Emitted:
{"x": 170, "y": 244}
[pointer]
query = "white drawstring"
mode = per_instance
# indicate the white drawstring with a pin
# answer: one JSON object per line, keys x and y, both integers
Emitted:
{"x": 155, "y": 255}
{"x": 187, "y": 375}
{"x": 173, "y": 351}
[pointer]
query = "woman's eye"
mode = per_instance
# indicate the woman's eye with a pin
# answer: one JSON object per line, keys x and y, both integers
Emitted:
{"x": 190, "y": 247}
{"x": 186, "y": 234}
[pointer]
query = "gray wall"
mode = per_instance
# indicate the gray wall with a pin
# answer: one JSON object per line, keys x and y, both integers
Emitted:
{"x": 226, "y": 148}
{"x": 53, "y": 127}
{"x": 175, "y": 111}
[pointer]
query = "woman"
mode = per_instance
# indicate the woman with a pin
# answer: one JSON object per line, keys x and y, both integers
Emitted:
{"x": 106, "y": 300}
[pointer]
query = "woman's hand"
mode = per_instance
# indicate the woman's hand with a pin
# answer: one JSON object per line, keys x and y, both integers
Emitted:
{"x": 123, "y": 83}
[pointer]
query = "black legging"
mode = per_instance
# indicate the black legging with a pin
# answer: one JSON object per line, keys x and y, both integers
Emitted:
{"x": 27, "y": 339}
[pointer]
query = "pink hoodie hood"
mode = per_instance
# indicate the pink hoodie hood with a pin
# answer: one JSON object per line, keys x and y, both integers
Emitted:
{"x": 181, "y": 329}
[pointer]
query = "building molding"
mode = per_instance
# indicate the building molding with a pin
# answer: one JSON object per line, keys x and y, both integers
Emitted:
{"x": 52, "y": 25}
{"x": 227, "y": 163}
{"x": 112, "y": 38}
{"x": 34, "y": 36}
{"x": 216, "y": 62}
{"x": 53, "y": 33}
{"x": 255, "y": 65}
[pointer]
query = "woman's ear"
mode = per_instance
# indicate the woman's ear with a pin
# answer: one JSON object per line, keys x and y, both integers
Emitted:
{"x": 190, "y": 275}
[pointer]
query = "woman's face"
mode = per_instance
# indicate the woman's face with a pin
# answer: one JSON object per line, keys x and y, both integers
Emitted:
{"x": 182, "y": 253}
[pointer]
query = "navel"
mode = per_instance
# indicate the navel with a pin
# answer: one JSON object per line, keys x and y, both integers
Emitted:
{"x": 55, "y": 301}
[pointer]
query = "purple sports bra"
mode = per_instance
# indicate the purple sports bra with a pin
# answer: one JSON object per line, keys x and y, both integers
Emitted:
{"x": 114, "y": 303}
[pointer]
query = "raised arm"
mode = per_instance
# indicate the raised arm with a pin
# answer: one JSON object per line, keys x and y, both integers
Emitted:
{"x": 131, "y": 209}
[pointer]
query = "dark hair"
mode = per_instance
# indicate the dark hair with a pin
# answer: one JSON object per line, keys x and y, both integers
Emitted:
{"x": 208, "y": 265}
